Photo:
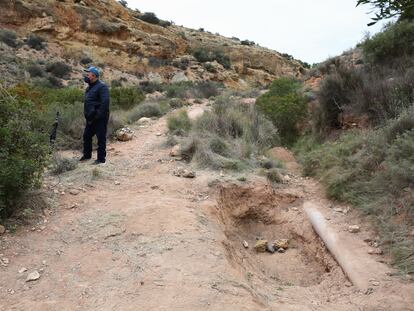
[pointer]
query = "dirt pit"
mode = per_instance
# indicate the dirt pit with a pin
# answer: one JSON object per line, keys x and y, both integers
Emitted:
{"x": 249, "y": 214}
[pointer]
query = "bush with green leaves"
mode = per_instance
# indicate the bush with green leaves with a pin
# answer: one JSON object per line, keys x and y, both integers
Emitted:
{"x": 367, "y": 91}
{"x": 230, "y": 136}
{"x": 395, "y": 41}
{"x": 85, "y": 60}
{"x": 151, "y": 87}
{"x": 179, "y": 123}
{"x": 247, "y": 42}
{"x": 150, "y": 17}
{"x": 374, "y": 171}
{"x": 36, "y": 42}
{"x": 36, "y": 71}
{"x": 59, "y": 69}
{"x": 285, "y": 107}
{"x": 335, "y": 93}
{"x": 48, "y": 101}
{"x": 126, "y": 97}
{"x": 8, "y": 37}
{"x": 157, "y": 62}
{"x": 203, "y": 54}
{"x": 189, "y": 89}
{"x": 147, "y": 110}
{"x": 404, "y": 9}
{"x": 116, "y": 83}
{"x": 62, "y": 164}
{"x": 23, "y": 150}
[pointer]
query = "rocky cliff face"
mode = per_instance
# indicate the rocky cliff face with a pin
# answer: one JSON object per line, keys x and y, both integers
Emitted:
{"x": 116, "y": 38}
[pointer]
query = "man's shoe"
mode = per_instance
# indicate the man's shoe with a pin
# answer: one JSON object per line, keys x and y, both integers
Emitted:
{"x": 97, "y": 162}
{"x": 84, "y": 158}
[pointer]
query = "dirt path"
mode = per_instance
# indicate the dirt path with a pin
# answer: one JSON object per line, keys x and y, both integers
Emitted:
{"x": 132, "y": 236}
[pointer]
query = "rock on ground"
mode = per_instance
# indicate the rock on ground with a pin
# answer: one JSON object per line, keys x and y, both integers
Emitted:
{"x": 33, "y": 276}
{"x": 124, "y": 134}
{"x": 261, "y": 246}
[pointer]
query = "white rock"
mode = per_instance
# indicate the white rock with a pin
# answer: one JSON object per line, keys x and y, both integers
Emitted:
{"x": 143, "y": 121}
{"x": 155, "y": 77}
{"x": 179, "y": 77}
{"x": 354, "y": 229}
{"x": 375, "y": 251}
{"x": 33, "y": 276}
{"x": 74, "y": 191}
{"x": 245, "y": 244}
{"x": 22, "y": 270}
{"x": 117, "y": 183}
{"x": 189, "y": 174}
{"x": 124, "y": 134}
{"x": 175, "y": 151}
{"x": 72, "y": 206}
{"x": 5, "y": 261}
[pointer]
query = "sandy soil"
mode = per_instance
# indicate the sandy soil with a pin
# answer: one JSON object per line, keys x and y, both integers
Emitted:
{"x": 132, "y": 236}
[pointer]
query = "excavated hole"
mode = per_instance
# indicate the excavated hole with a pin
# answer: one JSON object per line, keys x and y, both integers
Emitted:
{"x": 251, "y": 213}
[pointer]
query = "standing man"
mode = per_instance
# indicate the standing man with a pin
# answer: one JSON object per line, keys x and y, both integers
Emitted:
{"x": 96, "y": 111}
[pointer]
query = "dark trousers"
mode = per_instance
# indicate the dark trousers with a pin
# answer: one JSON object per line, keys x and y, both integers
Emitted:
{"x": 98, "y": 128}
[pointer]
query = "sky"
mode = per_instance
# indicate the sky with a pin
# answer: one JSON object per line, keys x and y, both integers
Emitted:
{"x": 310, "y": 30}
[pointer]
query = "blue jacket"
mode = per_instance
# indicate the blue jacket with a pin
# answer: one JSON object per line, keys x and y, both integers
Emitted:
{"x": 96, "y": 105}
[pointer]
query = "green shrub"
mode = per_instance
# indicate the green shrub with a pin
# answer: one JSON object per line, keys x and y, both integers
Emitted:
{"x": 150, "y": 17}
{"x": 284, "y": 107}
{"x": 71, "y": 124}
{"x": 126, "y": 97}
{"x": 150, "y": 87}
{"x": 117, "y": 120}
{"x": 269, "y": 163}
{"x": 9, "y": 37}
{"x": 59, "y": 69}
{"x": 157, "y": 62}
{"x": 229, "y": 136}
{"x": 35, "y": 71}
{"x": 180, "y": 89}
{"x": 189, "y": 89}
{"x": 336, "y": 91}
{"x": 374, "y": 171}
{"x": 219, "y": 146}
{"x": 179, "y": 123}
{"x": 175, "y": 103}
{"x": 394, "y": 42}
{"x": 203, "y": 55}
{"x": 247, "y": 42}
{"x": 147, "y": 110}
{"x": 36, "y": 42}
{"x": 181, "y": 63}
{"x": 165, "y": 24}
{"x": 274, "y": 176}
{"x": 67, "y": 101}
{"x": 53, "y": 82}
{"x": 366, "y": 91}
{"x": 65, "y": 96}
{"x": 116, "y": 83}
{"x": 23, "y": 151}
{"x": 61, "y": 164}
{"x": 207, "y": 89}
{"x": 85, "y": 60}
